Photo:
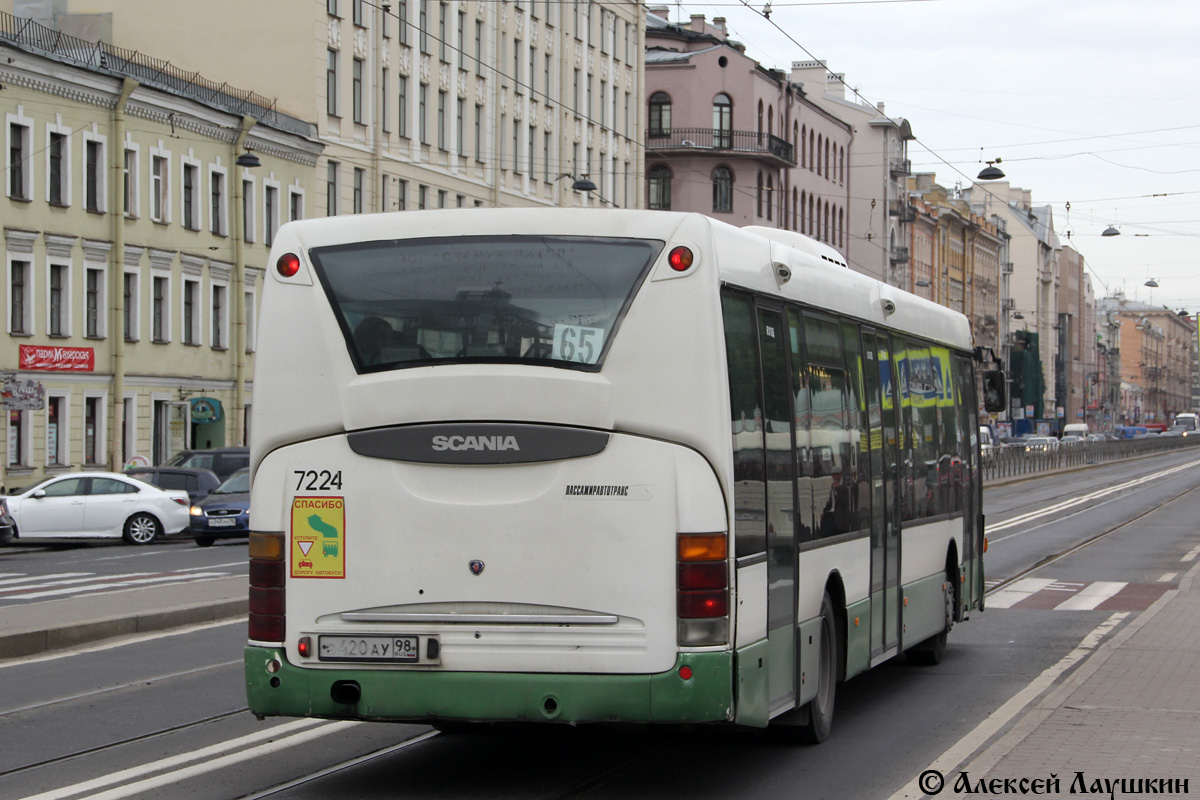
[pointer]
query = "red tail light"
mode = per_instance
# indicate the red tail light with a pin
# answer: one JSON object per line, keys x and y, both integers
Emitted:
{"x": 702, "y": 583}
{"x": 266, "y": 587}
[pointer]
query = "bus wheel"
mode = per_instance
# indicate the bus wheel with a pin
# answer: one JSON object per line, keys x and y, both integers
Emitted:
{"x": 820, "y": 709}
{"x": 930, "y": 652}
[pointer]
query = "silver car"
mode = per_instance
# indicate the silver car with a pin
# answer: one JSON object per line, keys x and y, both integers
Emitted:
{"x": 98, "y": 505}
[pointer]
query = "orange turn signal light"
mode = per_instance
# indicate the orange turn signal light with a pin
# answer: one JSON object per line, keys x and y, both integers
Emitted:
{"x": 703, "y": 547}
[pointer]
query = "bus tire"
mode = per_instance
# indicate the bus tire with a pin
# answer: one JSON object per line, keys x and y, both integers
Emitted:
{"x": 930, "y": 652}
{"x": 819, "y": 710}
{"x": 141, "y": 528}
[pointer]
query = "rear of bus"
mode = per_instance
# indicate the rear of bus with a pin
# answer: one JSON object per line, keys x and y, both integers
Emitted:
{"x": 485, "y": 453}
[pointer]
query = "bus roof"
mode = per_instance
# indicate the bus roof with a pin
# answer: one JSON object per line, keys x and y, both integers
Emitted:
{"x": 753, "y": 258}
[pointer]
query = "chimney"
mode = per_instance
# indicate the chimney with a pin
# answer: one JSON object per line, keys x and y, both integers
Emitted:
{"x": 719, "y": 22}
{"x": 698, "y": 23}
{"x": 662, "y": 12}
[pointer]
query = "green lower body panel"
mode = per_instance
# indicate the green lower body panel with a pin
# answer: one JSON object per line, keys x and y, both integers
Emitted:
{"x": 395, "y": 695}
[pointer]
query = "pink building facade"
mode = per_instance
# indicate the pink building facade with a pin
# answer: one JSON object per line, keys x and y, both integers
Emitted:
{"x": 739, "y": 142}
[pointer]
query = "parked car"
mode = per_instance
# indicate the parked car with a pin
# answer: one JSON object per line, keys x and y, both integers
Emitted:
{"x": 225, "y": 512}
{"x": 222, "y": 460}
{"x": 1070, "y": 440}
{"x": 193, "y": 480}
{"x": 7, "y": 525}
{"x": 98, "y": 505}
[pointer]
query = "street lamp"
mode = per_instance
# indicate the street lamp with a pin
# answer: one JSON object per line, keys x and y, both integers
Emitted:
{"x": 1111, "y": 230}
{"x": 991, "y": 172}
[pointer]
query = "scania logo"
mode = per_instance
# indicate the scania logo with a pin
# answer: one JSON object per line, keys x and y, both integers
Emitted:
{"x": 475, "y": 443}
{"x": 476, "y": 566}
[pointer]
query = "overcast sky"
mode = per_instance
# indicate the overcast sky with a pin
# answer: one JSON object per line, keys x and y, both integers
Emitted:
{"x": 1092, "y": 102}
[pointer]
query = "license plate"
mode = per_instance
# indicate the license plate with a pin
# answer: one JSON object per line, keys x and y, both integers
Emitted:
{"x": 396, "y": 649}
{"x": 222, "y": 522}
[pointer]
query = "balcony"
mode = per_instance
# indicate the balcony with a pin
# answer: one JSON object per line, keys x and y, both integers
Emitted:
{"x": 899, "y": 255}
{"x": 900, "y": 166}
{"x": 902, "y": 211}
{"x": 707, "y": 141}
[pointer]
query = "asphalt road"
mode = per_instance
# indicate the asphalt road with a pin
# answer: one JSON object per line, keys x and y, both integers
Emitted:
{"x": 163, "y": 715}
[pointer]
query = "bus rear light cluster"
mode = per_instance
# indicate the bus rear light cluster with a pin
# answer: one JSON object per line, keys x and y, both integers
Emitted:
{"x": 266, "y": 587}
{"x": 702, "y": 588}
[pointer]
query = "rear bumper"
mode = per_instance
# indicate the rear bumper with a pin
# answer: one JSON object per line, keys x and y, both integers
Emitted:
{"x": 429, "y": 695}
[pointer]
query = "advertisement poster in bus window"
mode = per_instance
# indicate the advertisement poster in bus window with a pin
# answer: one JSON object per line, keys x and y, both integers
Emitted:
{"x": 318, "y": 544}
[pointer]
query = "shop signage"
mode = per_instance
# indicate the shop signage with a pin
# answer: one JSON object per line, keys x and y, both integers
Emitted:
{"x": 66, "y": 359}
{"x": 19, "y": 395}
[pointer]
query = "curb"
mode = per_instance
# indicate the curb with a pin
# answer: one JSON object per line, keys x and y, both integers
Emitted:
{"x": 31, "y": 642}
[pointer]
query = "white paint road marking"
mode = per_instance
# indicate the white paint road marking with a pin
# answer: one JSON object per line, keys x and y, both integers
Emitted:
{"x": 1015, "y": 705}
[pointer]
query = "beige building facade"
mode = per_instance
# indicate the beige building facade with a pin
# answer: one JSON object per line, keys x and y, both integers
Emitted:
{"x": 429, "y": 103}
{"x": 134, "y": 250}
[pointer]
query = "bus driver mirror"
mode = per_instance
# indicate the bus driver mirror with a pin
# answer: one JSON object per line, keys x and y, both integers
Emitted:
{"x": 993, "y": 391}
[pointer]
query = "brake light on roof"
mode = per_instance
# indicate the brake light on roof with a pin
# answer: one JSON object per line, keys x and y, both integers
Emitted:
{"x": 266, "y": 587}
{"x": 702, "y": 588}
{"x": 288, "y": 265}
{"x": 680, "y": 259}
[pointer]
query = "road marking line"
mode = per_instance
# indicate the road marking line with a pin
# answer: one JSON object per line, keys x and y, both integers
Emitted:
{"x": 122, "y": 584}
{"x": 1032, "y": 515}
{"x": 1191, "y": 556}
{"x": 1091, "y": 596}
{"x": 1167, "y": 577}
{"x": 1016, "y": 704}
{"x": 122, "y": 641}
{"x": 55, "y": 576}
{"x": 1021, "y": 590}
{"x": 297, "y": 727}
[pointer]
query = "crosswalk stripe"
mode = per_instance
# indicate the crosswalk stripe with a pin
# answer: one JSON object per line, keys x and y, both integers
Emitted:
{"x": 1091, "y": 596}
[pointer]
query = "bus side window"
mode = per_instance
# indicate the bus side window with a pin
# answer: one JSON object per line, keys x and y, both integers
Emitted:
{"x": 857, "y": 470}
{"x": 749, "y": 487}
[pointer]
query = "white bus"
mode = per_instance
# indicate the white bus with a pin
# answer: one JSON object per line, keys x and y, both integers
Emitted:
{"x": 598, "y": 465}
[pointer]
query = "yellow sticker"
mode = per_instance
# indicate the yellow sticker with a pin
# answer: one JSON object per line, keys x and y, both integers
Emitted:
{"x": 318, "y": 537}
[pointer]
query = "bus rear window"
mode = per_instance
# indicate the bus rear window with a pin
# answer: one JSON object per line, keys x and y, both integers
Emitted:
{"x": 556, "y": 300}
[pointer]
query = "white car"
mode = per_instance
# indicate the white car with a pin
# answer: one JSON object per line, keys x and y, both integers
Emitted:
{"x": 98, "y": 505}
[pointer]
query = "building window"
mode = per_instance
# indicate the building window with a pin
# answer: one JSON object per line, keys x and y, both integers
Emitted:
{"x": 59, "y": 292}
{"x": 356, "y": 87}
{"x": 93, "y": 176}
{"x": 402, "y": 127}
{"x": 358, "y": 190}
{"x": 758, "y": 196}
{"x": 94, "y": 303}
{"x": 331, "y": 106}
{"x": 723, "y": 121}
{"x": 402, "y": 14}
{"x": 423, "y": 25}
{"x": 441, "y": 121}
{"x": 18, "y": 438}
{"x": 478, "y": 47}
{"x": 331, "y": 188}
{"x": 270, "y": 213}
{"x": 385, "y": 120}
{"x": 130, "y": 184}
{"x": 92, "y": 436}
{"x": 58, "y": 169}
{"x": 249, "y": 230}
{"x": 660, "y": 114}
{"x": 216, "y": 184}
{"x": 422, "y": 197}
{"x": 479, "y": 133}
{"x": 722, "y": 180}
{"x": 129, "y": 323}
{"x": 460, "y": 105}
{"x": 295, "y": 205}
{"x": 422, "y": 128}
{"x": 250, "y": 316}
{"x": 191, "y": 311}
{"x": 443, "y": 39}
{"x": 191, "y": 188}
{"x": 401, "y": 195}
{"x": 218, "y": 317}
{"x": 57, "y": 439}
{"x": 20, "y": 185}
{"x": 357, "y": 12}
{"x": 462, "y": 40}
{"x": 160, "y": 169}
{"x": 159, "y": 309}
{"x": 658, "y": 182}
{"x": 331, "y": 6}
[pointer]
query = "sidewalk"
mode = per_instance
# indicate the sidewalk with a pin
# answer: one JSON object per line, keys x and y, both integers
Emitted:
{"x": 1125, "y": 722}
{"x": 37, "y": 627}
